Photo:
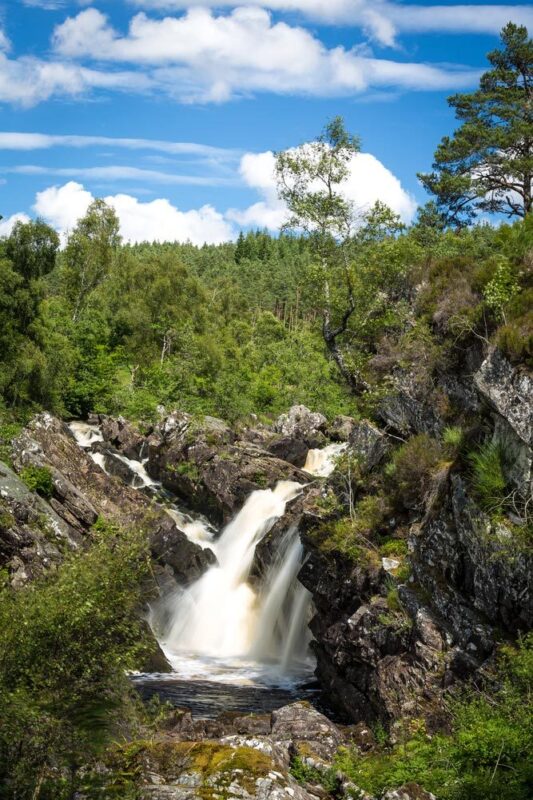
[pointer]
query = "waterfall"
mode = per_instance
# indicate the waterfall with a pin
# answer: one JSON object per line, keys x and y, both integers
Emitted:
{"x": 218, "y": 615}
{"x": 221, "y": 627}
{"x": 281, "y": 632}
{"x": 85, "y": 434}
{"x": 322, "y": 462}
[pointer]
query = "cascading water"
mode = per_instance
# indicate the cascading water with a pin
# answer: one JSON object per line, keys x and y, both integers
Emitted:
{"x": 322, "y": 462}
{"x": 221, "y": 616}
{"x": 221, "y": 631}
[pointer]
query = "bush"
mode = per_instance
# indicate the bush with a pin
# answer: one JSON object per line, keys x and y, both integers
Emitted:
{"x": 38, "y": 479}
{"x": 487, "y": 477}
{"x": 65, "y": 643}
{"x": 412, "y": 469}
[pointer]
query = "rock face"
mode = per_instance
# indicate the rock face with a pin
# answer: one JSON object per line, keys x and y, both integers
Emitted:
{"x": 509, "y": 392}
{"x": 212, "y": 471}
{"x": 368, "y": 443}
{"x": 33, "y": 537}
{"x": 475, "y": 576}
{"x": 82, "y": 492}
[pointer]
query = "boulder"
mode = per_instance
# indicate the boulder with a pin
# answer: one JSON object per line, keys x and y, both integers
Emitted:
{"x": 121, "y": 434}
{"x": 341, "y": 428}
{"x": 300, "y": 423}
{"x": 307, "y": 729}
{"x": 292, "y": 450}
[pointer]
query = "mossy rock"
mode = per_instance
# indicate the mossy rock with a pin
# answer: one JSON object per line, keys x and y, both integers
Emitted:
{"x": 214, "y": 770}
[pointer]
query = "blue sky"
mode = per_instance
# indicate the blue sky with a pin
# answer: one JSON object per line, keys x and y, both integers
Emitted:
{"x": 207, "y": 89}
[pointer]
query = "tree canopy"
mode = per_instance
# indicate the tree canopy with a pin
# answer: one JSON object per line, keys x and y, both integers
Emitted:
{"x": 487, "y": 164}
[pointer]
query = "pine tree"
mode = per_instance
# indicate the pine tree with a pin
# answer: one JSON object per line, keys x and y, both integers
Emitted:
{"x": 487, "y": 165}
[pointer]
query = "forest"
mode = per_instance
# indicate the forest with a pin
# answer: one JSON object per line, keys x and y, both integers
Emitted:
{"x": 341, "y": 311}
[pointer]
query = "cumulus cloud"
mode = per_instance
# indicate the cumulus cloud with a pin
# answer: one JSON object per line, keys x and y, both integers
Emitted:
{"x": 158, "y": 220}
{"x": 6, "y": 225}
{"x": 381, "y": 19}
{"x": 204, "y": 57}
{"x": 368, "y": 181}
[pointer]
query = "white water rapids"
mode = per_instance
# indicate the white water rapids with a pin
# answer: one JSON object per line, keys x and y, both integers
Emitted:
{"x": 222, "y": 628}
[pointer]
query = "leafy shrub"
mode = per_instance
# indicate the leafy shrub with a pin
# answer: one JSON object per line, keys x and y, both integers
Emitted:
{"x": 487, "y": 477}
{"x": 413, "y": 466}
{"x": 65, "y": 643}
{"x": 501, "y": 289}
{"x": 38, "y": 479}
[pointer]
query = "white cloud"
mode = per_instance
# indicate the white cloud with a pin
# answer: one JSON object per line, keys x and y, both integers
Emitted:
{"x": 158, "y": 220}
{"x": 382, "y": 19}
{"x": 368, "y": 180}
{"x": 121, "y": 173}
{"x": 6, "y": 225}
{"x": 202, "y": 57}
{"x": 27, "y": 80}
{"x": 42, "y": 141}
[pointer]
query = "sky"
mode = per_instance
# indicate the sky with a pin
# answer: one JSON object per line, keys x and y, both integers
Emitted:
{"x": 171, "y": 109}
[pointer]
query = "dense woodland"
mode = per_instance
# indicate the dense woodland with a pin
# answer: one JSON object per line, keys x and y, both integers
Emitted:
{"x": 92, "y": 324}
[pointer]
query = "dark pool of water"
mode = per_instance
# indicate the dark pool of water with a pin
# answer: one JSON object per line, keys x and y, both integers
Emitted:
{"x": 208, "y": 699}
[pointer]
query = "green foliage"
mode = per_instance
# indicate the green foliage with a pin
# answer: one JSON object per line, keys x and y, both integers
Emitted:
{"x": 38, "y": 479}
{"x": 487, "y": 477}
{"x": 305, "y": 774}
{"x": 486, "y": 757}
{"x": 393, "y": 547}
{"x": 501, "y": 289}
{"x": 65, "y": 643}
{"x": 453, "y": 439}
{"x": 413, "y": 468}
{"x": 486, "y": 164}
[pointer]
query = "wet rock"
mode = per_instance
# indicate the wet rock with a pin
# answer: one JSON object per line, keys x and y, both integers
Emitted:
{"x": 300, "y": 423}
{"x": 82, "y": 492}
{"x": 170, "y": 546}
{"x": 292, "y": 450}
{"x": 120, "y": 434}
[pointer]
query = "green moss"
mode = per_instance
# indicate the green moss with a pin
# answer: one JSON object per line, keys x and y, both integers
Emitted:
{"x": 187, "y": 469}
{"x": 217, "y": 765}
{"x": 392, "y": 547}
